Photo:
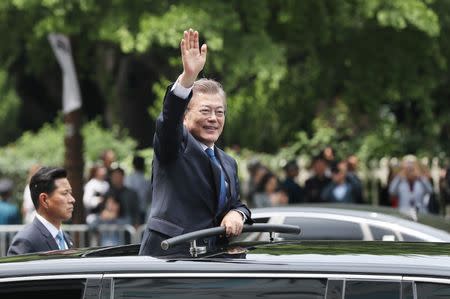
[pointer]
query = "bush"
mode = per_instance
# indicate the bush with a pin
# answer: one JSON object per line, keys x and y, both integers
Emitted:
{"x": 46, "y": 147}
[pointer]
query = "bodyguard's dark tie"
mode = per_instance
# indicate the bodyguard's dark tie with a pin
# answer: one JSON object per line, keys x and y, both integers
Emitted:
{"x": 223, "y": 188}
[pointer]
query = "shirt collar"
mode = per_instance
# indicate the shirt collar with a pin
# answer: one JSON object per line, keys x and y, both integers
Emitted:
{"x": 204, "y": 147}
{"x": 50, "y": 227}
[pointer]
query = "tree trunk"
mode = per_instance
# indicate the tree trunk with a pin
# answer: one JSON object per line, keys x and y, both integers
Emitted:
{"x": 73, "y": 161}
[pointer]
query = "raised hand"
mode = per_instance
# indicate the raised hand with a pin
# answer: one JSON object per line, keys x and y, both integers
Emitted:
{"x": 193, "y": 57}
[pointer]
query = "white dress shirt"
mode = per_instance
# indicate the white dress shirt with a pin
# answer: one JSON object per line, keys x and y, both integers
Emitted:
{"x": 51, "y": 228}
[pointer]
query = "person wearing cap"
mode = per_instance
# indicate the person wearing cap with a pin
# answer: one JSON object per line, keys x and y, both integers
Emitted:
{"x": 9, "y": 213}
{"x": 52, "y": 196}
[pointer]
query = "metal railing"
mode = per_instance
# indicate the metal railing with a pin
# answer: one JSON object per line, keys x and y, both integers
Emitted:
{"x": 83, "y": 235}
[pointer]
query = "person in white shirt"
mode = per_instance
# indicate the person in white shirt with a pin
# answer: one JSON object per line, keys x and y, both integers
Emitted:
{"x": 411, "y": 187}
{"x": 95, "y": 188}
{"x": 28, "y": 209}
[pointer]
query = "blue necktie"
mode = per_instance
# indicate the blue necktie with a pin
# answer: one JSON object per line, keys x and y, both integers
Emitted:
{"x": 60, "y": 240}
{"x": 223, "y": 188}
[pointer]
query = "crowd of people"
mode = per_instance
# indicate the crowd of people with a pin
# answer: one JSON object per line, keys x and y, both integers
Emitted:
{"x": 331, "y": 180}
{"x": 410, "y": 186}
{"x": 113, "y": 197}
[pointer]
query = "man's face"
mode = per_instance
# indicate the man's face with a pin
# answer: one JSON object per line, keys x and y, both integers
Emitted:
{"x": 319, "y": 167}
{"x": 339, "y": 175}
{"x": 205, "y": 117}
{"x": 109, "y": 158}
{"x": 411, "y": 171}
{"x": 117, "y": 179}
{"x": 100, "y": 173}
{"x": 60, "y": 202}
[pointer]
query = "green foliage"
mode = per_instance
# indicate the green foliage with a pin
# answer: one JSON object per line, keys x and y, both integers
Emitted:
{"x": 398, "y": 13}
{"x": 98, "y": 139}
{"x": 369, "y": 77}
{"x": 159, "y": 89}
{"x": 9, "y": 110}
{"x": 46, "y": 147}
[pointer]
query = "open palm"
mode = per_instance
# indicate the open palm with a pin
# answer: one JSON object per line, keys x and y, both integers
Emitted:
{"x": 193, "y": 56}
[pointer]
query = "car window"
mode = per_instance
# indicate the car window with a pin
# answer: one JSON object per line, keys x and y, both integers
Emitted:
{"x": 324, "y": 229}
{"x": 334, "y": 289}
{"x": 372, "y": 289}
{"x": 211, "y": 288}
{"x": 261, "y": 219}
{"x": 45, "y": 289}
{"x": 432, "y": 290}
{"x": 382, "y": 234}
{"x": 407, "y": 290}
{"x": 410, "y": 238}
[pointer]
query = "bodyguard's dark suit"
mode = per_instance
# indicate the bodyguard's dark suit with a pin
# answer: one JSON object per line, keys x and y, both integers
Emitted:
{"x": 35, "y": 238}
{"x": 186, "y": 183}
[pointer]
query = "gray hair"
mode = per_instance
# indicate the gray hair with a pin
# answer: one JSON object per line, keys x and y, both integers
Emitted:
{"x": 209, "y": 86}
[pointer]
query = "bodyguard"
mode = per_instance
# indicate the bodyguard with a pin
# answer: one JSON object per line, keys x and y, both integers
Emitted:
{"x": 52, "y": 196}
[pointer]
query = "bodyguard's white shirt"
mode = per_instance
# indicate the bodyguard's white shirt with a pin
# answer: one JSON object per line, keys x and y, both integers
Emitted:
{"x": 51, "y": 228}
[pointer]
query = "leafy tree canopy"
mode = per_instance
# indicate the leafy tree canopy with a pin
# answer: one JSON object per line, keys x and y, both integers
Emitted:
{"x": 372, "y": 75}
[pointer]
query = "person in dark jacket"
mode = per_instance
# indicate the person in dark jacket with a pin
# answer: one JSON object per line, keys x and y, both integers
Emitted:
{"x": 293, "y": 190}
{"x": 339, "y": 189}
{"x": 315, "y": 184}
{"x": 52, "y": 196}
{"x": 195, "y": 184}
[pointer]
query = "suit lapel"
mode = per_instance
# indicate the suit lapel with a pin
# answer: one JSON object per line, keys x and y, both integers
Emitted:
{"x": 47, "y": 236}
{"x": 68, "y": 240}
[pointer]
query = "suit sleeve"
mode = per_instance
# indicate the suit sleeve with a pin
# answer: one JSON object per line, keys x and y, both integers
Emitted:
{"x": 20, "y": 246}
{"x": 169, "y": 127}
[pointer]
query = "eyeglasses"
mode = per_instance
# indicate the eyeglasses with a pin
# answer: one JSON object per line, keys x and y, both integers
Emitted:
{"x": 207, "y": 112}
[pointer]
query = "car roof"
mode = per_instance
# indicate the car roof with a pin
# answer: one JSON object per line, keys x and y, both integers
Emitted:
{"x": 356, "y": 213}
{"x": 436, "y": 221}
{"x": 378, "y": 258}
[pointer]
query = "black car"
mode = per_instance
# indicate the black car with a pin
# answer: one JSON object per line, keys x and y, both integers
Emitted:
{"x": 273, "y": 269}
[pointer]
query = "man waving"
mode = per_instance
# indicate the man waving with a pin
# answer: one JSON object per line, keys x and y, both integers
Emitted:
{"x": 195, "y": 184}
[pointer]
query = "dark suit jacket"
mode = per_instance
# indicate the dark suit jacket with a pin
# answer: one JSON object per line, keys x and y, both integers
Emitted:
{"x": 186, "y": 184}
{"x": 328, "y": 195}
{"x": 35, "y": 238}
